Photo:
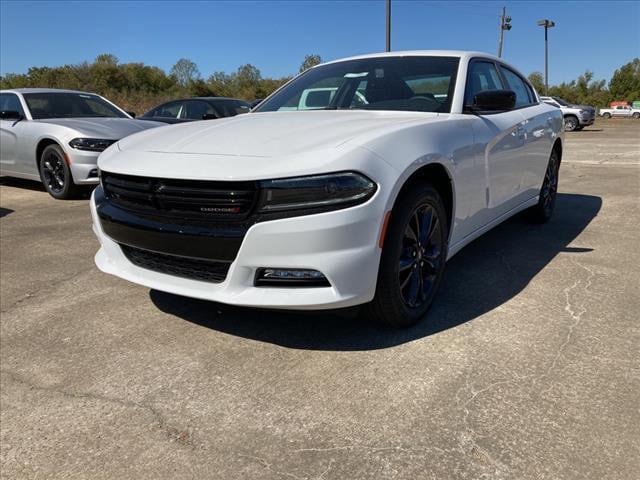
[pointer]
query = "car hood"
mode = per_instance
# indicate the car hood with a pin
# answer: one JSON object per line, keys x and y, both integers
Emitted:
{"x": 109, "y": 128}
{"x": 258, "y": 145}
{"x": 268, "y": 134}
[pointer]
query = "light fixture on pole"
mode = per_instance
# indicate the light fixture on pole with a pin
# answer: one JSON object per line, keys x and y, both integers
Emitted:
{"x": 547, "y": 24}
{"x": 505, "y": 24}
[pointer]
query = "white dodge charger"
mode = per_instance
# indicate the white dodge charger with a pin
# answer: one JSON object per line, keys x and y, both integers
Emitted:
{"x": 357, "y": 195}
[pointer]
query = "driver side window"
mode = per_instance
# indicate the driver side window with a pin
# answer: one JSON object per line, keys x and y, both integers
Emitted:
{"x": 482, "y": 76}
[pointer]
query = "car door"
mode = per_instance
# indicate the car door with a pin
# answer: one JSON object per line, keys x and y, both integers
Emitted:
{"x": 10, "y": 133}
{"x": 538, "y": 136}
{"x": 499, "y": 144}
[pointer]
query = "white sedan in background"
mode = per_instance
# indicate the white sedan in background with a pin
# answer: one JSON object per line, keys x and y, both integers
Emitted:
{"x": 55, "y": 136}
{"x": 350, "y": 202}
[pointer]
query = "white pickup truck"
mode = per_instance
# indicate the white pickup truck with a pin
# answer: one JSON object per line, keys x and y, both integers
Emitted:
{"x": 620, "y": 111}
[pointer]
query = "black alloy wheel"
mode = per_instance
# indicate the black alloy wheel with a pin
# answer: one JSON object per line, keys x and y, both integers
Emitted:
{"x": 543, "y": 211}
{"x": 412, "y": 259}
{"x": 419, "y": 261}
{"x": 55, "y": 173}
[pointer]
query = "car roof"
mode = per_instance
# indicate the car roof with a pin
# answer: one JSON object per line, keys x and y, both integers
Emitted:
{"x": 422, "y": 53}
{"x": 44, "y": 90}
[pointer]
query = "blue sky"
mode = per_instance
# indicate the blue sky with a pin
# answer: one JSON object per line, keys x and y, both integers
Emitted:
{"x": 275, "y": 35}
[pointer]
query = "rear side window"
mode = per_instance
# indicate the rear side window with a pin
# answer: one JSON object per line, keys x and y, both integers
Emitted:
{"x": 168, "y": 110}
{"x": 195, "y": 110}
{"x": 518, "y": 85}
{"x": 10, "y": 103}
{"x": 482, "y": 76}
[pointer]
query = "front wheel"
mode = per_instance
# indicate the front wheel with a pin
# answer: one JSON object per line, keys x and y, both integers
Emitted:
{"x": 543, "y": 211}
{"x": 55, "y": 173}
{"x": 570, "y": 123}
{"x": 413, "y": 258}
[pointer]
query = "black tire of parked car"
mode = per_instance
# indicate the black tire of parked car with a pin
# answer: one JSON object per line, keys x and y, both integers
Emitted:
{"x": 571, "y": 123}
{"x": 543, "y": 210}
{"x": 411, "y": 263}
{"x": 606, "y": 115}
{"x": 55, "y": 174}
{"x": 636, "y": 115}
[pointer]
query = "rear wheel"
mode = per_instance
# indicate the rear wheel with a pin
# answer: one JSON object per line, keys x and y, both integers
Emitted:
{"x": 413, "y": 258}
{"x": 543, "y": 211}
{"x": 636, "y": 115}
{"x": 571, "y": 123}
{"x": 55, "y": 173}
{"x": 606, "y": 115}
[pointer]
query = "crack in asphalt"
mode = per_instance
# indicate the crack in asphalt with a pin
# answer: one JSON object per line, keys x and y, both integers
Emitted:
{"x": 183, "y": 437}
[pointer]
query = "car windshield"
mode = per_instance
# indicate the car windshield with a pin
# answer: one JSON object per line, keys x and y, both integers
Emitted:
{"x": 418, "y": 83}
{"x": 69, "y": 105}
{"x": 561, "y": 102}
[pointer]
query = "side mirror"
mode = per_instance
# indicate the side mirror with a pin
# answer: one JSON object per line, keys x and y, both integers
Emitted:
{"x": 132, "y": 114}
{"x": 494, "y": 101}
{"x": 209, "y": 116}
{"x": 10, "y": 115}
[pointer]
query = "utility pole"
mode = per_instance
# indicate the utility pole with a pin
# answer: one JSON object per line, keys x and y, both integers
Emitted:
{"x": 505, "y": 24}
{"x": 388, "y": 25}
{"x": 547, "y": 24}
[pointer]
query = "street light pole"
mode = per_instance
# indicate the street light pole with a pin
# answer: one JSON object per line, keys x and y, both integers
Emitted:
{"x": 547, "y": 24}
{"x": 388, "y": 25}
{"x": 505, "y": 24}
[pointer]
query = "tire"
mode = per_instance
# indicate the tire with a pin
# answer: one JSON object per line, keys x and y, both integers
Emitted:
{"x": 578, "y": 128}
{"x": 636, "y": 115}
{"x": 55, "y": 174}
{"x": 571, "y": 123}
{"x": 410, "y": 270}
{"x": 543, "y": 211}
{"x": 606, "y": 115}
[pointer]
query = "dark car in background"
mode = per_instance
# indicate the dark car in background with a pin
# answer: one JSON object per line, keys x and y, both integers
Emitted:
{"x": 197, "y": 108}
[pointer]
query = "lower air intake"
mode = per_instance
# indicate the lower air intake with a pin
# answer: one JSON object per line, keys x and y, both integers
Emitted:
{"x": 185, "y": 267}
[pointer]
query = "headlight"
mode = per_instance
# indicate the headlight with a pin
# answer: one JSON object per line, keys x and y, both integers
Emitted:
{"x": 90, "y": 144}
{"x": 332, "y": 191}
{"x": 582, "y": 112}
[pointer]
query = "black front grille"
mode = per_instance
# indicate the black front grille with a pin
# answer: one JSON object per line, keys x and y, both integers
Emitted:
{"x": 186, "y": 267}
{"x": 199, "y": 199}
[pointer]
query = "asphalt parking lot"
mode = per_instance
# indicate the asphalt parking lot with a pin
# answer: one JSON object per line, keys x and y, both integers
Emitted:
{"x": 527, "y": 366}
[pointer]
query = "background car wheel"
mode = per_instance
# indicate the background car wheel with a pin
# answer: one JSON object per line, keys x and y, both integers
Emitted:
{"x": 607, "y": 115}
{"x": 636, "y": 115}
{"x": 543, "y": 211}
{"x": 413, "y": 258}
{"x": 55, "y": 174}
{"x": 578, "y": 128}
{"x": 570, "y": 123}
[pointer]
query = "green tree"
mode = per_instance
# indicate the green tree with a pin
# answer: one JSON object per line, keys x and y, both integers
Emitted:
{"x": 537, "y": 80}
{"x": 185, "y": 71}
{"x": 310, "y": 61}
{"x": 625, "y": 83}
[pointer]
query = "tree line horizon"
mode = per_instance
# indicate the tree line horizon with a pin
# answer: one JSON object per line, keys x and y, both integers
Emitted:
{"x": 138, "y": 87}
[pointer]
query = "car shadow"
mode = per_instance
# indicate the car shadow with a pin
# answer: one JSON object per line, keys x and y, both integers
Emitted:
{"x": 22, "y": 183}
{"x": 84, "y": 193}
{"x": 5, "y": 211}
{"x": 483, "y": 276}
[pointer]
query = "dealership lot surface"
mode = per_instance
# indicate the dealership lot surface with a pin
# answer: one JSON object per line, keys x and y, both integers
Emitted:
{"x": 527, "y": 366}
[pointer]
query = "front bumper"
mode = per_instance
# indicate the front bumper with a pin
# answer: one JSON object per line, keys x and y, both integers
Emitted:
{"x": 343, "y": 245}
{"x": 83, "y": 166}
{"x": 586, "y": 120}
